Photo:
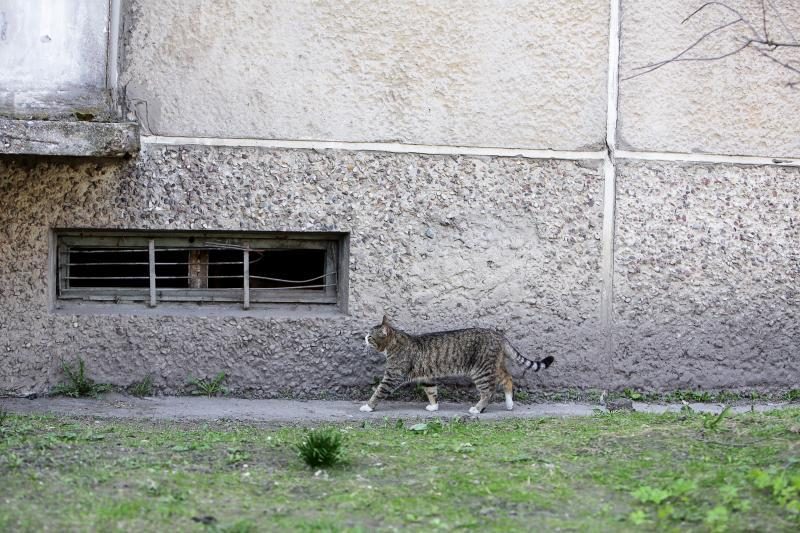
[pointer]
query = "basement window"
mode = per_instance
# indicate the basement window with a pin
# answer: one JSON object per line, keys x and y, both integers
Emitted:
{"x": 201, "y": 269}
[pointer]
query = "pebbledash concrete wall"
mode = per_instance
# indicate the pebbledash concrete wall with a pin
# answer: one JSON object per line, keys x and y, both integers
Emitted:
{"x": 515, "y": 247}
{"x": 656, "y": 249}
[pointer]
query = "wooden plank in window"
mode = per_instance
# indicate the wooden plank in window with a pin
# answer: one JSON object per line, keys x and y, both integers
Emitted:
{"x": 330, "y": 270}
{"x": 198, "y": 269}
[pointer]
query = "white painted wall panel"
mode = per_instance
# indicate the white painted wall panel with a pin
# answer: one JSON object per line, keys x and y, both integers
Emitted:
{"x": 52, "y": 54}
{"x": 743, "y": 104}
{"x": 515, "y": 73}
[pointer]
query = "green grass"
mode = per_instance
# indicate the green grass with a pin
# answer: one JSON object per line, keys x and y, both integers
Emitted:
{"x": 609, "y": 472}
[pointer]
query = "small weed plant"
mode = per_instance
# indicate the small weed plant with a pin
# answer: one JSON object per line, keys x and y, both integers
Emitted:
{"x": 236, "y": 456}
{"x": 712, "y": 422}
{"x": 208, "y": 387}
{"x": 632, "y": 394}
{"x": 321, "y": 448}
{"x": 521, "y": 395}
{"x": 689, "y": 396}
{"x": 434, "y": 426}
{"x": 78, "y": 383}
{"x": 142, "y": 388}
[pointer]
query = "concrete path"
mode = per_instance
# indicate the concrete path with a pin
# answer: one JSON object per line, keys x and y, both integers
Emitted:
{"x": 183, "y": 408}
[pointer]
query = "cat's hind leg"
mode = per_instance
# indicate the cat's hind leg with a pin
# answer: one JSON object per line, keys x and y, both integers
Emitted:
{"x": 431, "y": 391}
{"x": 508, "y": 389}
{"x": 485, "y": 385}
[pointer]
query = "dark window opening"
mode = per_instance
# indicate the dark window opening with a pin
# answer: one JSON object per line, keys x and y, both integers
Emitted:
{"x": 107, "y": 267}
{"x": 288, "y": 268}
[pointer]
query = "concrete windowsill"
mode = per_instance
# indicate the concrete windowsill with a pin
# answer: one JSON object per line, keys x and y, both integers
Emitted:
{"x": 62, "y": 138}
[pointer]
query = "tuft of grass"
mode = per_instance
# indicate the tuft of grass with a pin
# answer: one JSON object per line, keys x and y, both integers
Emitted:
{"x": 4, "y": 416}
{"x": 240, "y": 526}
{"x": 712, "y": 421}
{"x": 793, "y": 395}
{"x": 142, "y": 388}
{"x": 208, "y": 387}
{"x": 632, "y": 394}
{"x": 521, "y": 395}
{"x": 78, "y": 383}
{"x": 690, "y": 396}
{"x": 321, "y": 447}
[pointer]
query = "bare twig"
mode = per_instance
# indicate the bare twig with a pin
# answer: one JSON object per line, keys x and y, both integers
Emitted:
{"x": 678, "y": 57}
{"x": 780, "y": 19}
{"x": 758, "y": 39}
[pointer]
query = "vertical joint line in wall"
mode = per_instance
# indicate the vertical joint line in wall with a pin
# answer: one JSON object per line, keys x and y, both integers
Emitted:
{"x": 610, "y": 166}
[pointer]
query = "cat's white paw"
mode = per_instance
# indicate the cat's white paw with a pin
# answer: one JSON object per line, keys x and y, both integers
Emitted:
{"x": 366, "y": 408}
{"x": 432, "y": 407}
{"x": 509, "y": 402}
{"x": 474, "y": 411}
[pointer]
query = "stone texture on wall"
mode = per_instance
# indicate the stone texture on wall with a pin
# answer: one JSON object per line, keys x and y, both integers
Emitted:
{"x": 436, "y": 241}
{"x": 516, "y": 73}
{"x": 739, "y": 105}
{"x": 707, "y": 278}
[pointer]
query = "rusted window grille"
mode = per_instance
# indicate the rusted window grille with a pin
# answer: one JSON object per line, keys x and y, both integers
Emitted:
{"x": 203, "y": 268}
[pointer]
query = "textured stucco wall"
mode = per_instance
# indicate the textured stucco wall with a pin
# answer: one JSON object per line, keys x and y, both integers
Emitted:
{"x": 739, "y": 105}
{"x": 511, "y": 243}
{"x": 515, "y": 73}
{"x": 707, "y": 277}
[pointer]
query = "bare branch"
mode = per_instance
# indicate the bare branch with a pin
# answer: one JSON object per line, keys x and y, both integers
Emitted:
{"x": 724, "y": 6}
{"x": 761, "y": 41}
{"x": 677, "y": 57}
{"x": 785, "y": 64}
{"x": 780, "y": 19}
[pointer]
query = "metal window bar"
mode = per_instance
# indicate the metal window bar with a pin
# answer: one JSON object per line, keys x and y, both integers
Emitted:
{"x": 246, "y": 275}
{"x": 152, "y": 258}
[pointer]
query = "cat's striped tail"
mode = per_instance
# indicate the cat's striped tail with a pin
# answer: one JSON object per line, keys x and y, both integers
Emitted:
{"x": 527, "y": 364}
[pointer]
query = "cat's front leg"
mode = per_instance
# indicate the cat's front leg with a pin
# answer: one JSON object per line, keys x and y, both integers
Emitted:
{"x": 387, "y": 385}
{"x": 433, "y": 397}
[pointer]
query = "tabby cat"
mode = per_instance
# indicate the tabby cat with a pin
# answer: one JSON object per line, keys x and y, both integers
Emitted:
{"x": 476, "y": 353}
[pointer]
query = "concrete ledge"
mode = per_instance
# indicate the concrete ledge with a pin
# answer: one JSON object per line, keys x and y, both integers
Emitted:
{"x": 80, "y": 139}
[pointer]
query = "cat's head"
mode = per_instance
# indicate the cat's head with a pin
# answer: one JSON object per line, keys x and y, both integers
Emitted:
{"x": 380, "y": 335}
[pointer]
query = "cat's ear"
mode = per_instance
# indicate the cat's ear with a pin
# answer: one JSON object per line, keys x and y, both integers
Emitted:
{"x": 385, "y": 326}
